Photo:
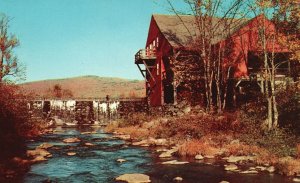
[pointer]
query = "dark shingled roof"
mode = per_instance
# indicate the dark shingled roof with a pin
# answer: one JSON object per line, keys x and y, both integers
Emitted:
{"x": 182, "y": 30}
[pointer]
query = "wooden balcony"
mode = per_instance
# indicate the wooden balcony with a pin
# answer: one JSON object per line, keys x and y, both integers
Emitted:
{"x": 145, "y": 55}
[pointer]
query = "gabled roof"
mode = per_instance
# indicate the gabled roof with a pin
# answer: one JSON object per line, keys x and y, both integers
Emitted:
{"x": 181, "y": 30}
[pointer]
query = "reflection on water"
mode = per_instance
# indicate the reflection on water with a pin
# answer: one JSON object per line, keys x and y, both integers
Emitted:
{"x": 98, "y": 163}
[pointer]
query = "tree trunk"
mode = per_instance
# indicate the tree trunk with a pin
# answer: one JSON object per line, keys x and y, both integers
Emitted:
{"x": 219, "y": 102}
{"x": 273, "y": 89}
{"x": 267, "y": 78}
{"x": 1, "y": 66}
{"x": 226, "y": 88}
{"x": 275, "y": 112}
{"x": 175, "y": 92}
{"x": 270, "y": 116}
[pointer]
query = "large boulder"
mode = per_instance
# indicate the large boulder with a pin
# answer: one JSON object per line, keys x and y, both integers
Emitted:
{"x": 71, "y": 153}
{"x": 168, "y": 153}
{"x": 161, "y": 142}
{"x": 121, "y": 160}
{"x": 71, "y": 140}
{"x": 199, "y": 157}
{"x": 231, "y": 167}
{"x": 134, "y": 178}
{"x": 38, "y": 159}
{"x": 141, "y": 143}
{"x": 271, "y": 169}
{"x": 37, "y": 152}
{"x": 157, "y": 142}
{"x": 178, "y": 179}
{"x": 249, "y": 172}
{"x": 235, "y": 159}
{"x": 123, "y": 137}
{"x": 209, "y": 156}
{"x": 296, "y": 179}
{"x": 45, "y": 146}
{"x": 174, "y": 162}
{"x": 89, "y": 144}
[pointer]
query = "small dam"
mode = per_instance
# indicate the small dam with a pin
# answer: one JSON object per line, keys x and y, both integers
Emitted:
{"x": 87, "y": 110}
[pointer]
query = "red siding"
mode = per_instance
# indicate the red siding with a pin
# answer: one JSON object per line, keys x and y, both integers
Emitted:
{"x": 244, "y": 40}
{"x": 247, "y": 39}
{"x": 163, "y": 49}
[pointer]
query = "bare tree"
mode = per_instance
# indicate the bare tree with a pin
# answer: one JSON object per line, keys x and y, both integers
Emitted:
{"x": 9, "y": 65}
{"x": 211, "y": 52}
{"x": 268, "y": 38}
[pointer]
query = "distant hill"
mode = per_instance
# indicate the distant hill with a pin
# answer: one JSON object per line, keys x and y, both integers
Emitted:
{"x": 88, "y": 87}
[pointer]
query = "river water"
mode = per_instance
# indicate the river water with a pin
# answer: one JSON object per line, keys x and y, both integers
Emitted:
{"x": 98, "y": 163}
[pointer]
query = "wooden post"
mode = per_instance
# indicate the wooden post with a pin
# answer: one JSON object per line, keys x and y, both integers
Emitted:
{"x": 98, "y": 111}
{"x": 107, "y": 108}
{"x": 175, "y": 92}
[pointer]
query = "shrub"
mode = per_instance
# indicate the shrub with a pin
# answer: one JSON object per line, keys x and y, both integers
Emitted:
{"x": 279, "y": 141}
{"x": 298, "y": 150}
{"x": 242, "y": 149}
{"x": 265, "y": 157}
{"x": 289, "y": 166}
{"x": 182, "y": 127}
{"x": 196, "y": 126}
{"x": 135, "y": 132}
{"x": 111, "y": 127}
{"x": 289, "y": 108}
{"x": 136, "y": 119}
{"x": 194, "y": 147}
{"x": 14, "y": 119}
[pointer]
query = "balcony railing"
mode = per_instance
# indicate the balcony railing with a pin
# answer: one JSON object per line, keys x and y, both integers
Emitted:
{"x": 145, "y": 54}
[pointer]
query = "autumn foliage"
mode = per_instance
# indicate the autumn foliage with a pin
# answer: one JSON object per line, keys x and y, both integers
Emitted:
{"x": 15, "y": 123}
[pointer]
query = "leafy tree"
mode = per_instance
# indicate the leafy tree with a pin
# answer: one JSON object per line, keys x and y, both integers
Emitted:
{"x": 57, "y": 91}
{"x": 287, "y": 20}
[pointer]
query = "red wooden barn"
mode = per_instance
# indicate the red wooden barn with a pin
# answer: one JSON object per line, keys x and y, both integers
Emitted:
{"x": 170, "y": 33}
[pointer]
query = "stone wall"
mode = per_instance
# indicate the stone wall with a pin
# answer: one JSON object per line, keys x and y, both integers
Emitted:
{"x": 174, "y": 110}
{"x": 132, "y": 106}
{"x": 84, "y": 112}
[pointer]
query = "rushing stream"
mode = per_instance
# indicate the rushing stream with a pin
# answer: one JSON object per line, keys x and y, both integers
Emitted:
{"x": 98, "y": 163}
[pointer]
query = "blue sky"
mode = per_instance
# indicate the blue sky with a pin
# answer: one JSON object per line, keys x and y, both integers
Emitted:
{"x": 66, "y": 38}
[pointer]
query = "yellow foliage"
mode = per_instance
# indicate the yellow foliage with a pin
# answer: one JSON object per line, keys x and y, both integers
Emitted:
{"x": 135, "y": 132}
{"x": 298, "y": 150}
{"x": 194, "y": 147}
{"x": 289, "y": 166}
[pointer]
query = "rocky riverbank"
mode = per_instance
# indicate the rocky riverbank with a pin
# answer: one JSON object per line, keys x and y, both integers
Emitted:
{"x": 89, "y": 154}
{"x": 224, "y": 149}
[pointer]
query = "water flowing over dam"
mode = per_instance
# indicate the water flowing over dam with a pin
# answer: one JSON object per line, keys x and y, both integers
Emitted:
{"x": 85, "y": 111}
